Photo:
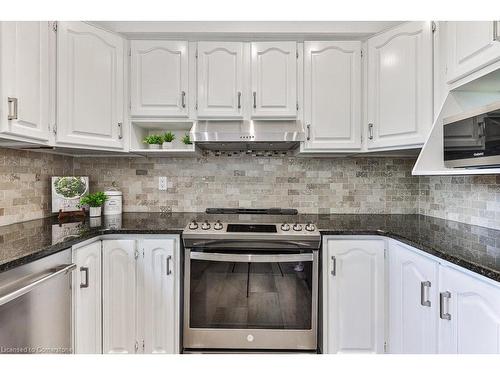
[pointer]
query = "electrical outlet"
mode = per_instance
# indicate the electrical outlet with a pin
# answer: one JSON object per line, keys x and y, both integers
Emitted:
{"x": 162, "y": 183}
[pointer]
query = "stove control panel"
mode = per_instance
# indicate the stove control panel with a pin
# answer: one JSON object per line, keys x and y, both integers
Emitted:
{"x": 266, "y": 229}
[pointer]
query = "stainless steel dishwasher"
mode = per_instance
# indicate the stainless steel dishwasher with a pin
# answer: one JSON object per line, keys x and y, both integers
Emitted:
{"x": 35, "y": 306}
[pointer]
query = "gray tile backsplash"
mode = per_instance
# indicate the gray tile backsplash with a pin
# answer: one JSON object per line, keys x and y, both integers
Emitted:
{"x": 319, "y": 185}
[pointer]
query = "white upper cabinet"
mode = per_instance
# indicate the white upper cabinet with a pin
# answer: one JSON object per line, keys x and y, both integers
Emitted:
{"x": 90, "y": 89}
{"x": 274, "y": 79}
{"x": 24, "y": 80}
{"x": 413, "y": 301}
{"x": 159, "y": 78}
{"x": 354, "y": 295}
{"x": 471, "y": 45}
{"x": 160, "y": 308}
{"x": 332, "y": 95}
{"x": 469, "y": 316}
{"x": 87, "y": 299}
{"x": 119, "y": 296}
{"x": 399, "y": 112}
{"x": 220, "y": 79}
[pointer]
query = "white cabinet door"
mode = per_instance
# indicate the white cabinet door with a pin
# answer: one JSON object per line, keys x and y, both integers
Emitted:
{"x": 400, "y": 86}
{"x": 159, "y": 295}
{"x": 159, "y": 78}
{"x": 24, "y": 79}
{"x": 274, "y": 79}
{"x": 332, "y": 95}
{"x": 87, "y": 299}
{"x": 473, "y": 305}
{"x": 119, "y": 296}
{"x": 220, "y": 79}
{"x": 90, "y": 92}
{"x": 471, "y": 45}
{"x": 354, "y": 291}
{"x": 413, "y": 301}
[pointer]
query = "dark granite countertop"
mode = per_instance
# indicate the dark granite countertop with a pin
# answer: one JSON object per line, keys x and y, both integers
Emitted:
{"x": 469, "y": 246}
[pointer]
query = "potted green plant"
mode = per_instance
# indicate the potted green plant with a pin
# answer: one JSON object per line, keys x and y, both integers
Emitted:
{"x": 186, "y": 140}
{"x": 168, "y": 139}
{"x": 153, "y": 141}
{"x": 95, "y": 202}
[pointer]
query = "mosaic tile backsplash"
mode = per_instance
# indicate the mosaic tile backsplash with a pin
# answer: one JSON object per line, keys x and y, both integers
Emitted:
{"x": 322, "y": 185}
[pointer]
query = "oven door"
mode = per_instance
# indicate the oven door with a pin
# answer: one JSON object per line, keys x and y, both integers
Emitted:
{"x": 251, "y": 300}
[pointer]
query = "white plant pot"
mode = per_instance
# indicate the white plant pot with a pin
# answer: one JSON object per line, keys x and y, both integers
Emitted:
{"x": 95, "y": 211}
{"x": 153, "y": 146}
{"x": 187, "y": 145}
{"x": 167, "y": 145}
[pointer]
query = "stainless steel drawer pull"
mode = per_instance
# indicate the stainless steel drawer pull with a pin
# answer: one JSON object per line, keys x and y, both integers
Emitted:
{"x": 370, "y": 131}
{"x": 496, "y": 31}
{"x": 424, "y": 293}
{"x": 169, "y": 271}
{"x": 120, "y": 130}
{"x": 239, "y": 100}
{"x": 24, "y": 286}
{"x": 86, "y": 271}
{"x": 12, "y": 108}
{"x": 308, "y": 132}
{"x": 183, "y": 99}
{"x": 444, "y": 302}
{"x": 334, "y": 266}
{"x": 254, "y": 100}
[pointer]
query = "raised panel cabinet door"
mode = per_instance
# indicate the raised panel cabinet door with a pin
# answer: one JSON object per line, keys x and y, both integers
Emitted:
{"x": 471, "y": 45}
{"x": 413, "y": 301}
{"x": 24, "y": 79}
{"x": 332, "y": 95}
{"x": 159, "y": 78}
{"x": 400, "y": 86}
{"x": 119, "y": 296}
{"x": 90, "y": 92}
{"x": 159, "y": 296}
{"x": 87, "y": 303}
{"x": 274, "y": 79}
{"x": 355, "y": 296}
{"x": 469, "y": 317}
{"x": 220, "y": 79}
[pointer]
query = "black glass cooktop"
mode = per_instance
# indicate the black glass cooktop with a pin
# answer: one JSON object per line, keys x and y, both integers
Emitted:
{"x": 253, "y": 228}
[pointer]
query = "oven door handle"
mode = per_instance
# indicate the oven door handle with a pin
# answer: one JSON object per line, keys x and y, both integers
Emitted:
{"x": 251, "y": 258}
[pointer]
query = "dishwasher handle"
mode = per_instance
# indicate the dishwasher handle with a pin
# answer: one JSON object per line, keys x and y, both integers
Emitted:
{"x": 27, "y": 286}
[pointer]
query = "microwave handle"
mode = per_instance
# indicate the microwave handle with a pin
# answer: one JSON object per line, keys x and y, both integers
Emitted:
{"x": 251, "y": 258}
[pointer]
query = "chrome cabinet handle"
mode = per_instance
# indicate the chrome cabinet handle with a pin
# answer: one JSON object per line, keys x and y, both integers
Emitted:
{"x": 12, "y": 113}
{"x": 334, "y": 266}
{"x": 239, "y": 100}
{"x": 183, "y": 99}
{"x": 120, "y": 130}
{"x": 254, "y": 100}
{"x": 308, "y": 132}
{"x": 424, "y": 288}
{"x": 86, "y": 271}
{"x": 370, "y": 131}
{"x": 169, "y": 271}
{"x": 24, "y": 286}
{"x": 443, "y": 305}
{"x": 496, "y": 31}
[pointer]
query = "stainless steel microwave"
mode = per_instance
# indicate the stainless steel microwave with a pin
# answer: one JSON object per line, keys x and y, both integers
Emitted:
{"x": 472, "y": 139}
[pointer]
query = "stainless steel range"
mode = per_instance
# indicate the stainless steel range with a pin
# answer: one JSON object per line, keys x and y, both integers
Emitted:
{"x": 251, "y": 285}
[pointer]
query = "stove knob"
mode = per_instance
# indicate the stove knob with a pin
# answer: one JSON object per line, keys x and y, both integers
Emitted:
{"x": 205, "y": 225}
{"x": 218, "y": 225}
{"x": 297, "y": 227}
{"x": 310, "y": 227}
{"x": 285, "y": 227}
{"x": 193, "y": 225}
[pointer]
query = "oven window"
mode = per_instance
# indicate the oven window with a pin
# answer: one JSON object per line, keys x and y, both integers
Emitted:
{"x": 250, "y": 295}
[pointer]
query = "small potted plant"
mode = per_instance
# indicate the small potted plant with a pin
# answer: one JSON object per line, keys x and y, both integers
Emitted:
{"x": 186, "y": 140}
{"x": 95, "y": 202}
{"x": 167, "y": 140}
{"x": 153, "y": 141}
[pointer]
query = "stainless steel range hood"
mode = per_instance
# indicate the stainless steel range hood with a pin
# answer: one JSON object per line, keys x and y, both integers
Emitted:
{"x": 255, "y": 135}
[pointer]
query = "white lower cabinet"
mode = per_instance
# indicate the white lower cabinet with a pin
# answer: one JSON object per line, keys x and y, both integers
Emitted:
{"x": 353, "y": 295}
{"x": 413, "y": 301}
{"x": 87, "y": 296}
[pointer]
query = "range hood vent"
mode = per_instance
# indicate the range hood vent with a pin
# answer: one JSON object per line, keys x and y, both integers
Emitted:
{"x": 253, "y": 135}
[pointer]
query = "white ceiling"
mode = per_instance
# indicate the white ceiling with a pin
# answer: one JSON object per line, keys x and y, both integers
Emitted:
{"x": 296, "y": 30}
